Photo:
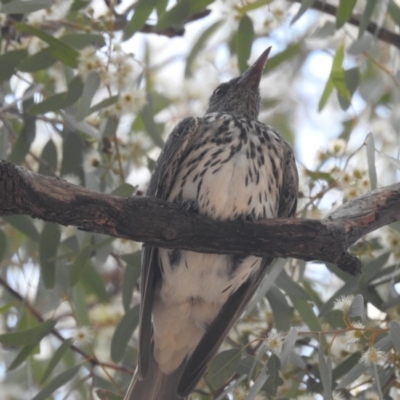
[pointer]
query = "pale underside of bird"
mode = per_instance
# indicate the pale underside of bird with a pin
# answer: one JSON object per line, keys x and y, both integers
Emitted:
{"x": 225, "y": 165}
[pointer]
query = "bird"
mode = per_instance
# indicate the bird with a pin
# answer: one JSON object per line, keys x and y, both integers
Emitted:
{"x": 226, "y": 165}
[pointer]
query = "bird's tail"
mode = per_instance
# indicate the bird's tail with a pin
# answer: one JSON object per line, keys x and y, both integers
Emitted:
{"x": 155, "y": 386}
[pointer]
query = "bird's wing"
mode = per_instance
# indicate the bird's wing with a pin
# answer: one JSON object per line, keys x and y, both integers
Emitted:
{"x": 159, "y": 186}
{"x": 289, "y": 189}
{"x": 218, "y": 330}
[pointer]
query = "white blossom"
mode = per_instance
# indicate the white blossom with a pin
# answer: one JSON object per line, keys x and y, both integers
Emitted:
{"x": 89, "y": 61}
{"x": 343, "y": 303}
{"x": 274, "y": 341}
{"x": 354, "y": 335}
{"x": 91, "y": 161}
{"x": 373, "y": 356}
{"x": 83, "y": 335}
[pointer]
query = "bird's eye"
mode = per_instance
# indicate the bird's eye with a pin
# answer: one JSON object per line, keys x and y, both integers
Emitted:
{"x": 217, "y": 91}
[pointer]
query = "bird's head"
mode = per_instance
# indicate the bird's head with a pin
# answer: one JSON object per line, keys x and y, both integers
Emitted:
{"x": 240, "y": 96}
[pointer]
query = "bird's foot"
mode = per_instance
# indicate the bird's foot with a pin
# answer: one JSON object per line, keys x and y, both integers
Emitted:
{"x": 190, "y": 205}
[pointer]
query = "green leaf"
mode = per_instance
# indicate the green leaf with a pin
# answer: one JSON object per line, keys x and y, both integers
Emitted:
{"x": 108, "y": 395}
{"x": 43, "y": 59}
{"x": 61, "y": 51}
{"x": 48, "y": 246}
{"x": 49, "y": 156}
{"x": 148, "y": 120}
{"x": 9, "y": 62}
{"x": 90, "y": 88}
{"x": 292, "y": 288}
{"x": 244, "y": 40}
{"x": 55, "y": 359}
{"x": 395, "y": 334}
{"x": 28, "y": 336}
{"x": 366, "y": 16}
{"x": 79, "y": 303}
{"x": 344, "y": 11}
{"x": 3, "y": 244}
{"x": 57, "y": 382}
{"x": 176, "y": 16}
{"x": 325, "y": 94}
{"x": 60, "y": 100}
{"x": 280, "y": 307}
{"x": 394, "y": 12}
{"x": 72, "y": 154}
{"x": 79, "y": 264}
{"x": 23, "y": 354}
{"x": 104, "y": 103}
{"x": 27, "y": 134}
{"x": 124, "y": 190}
{"x": 198, "y": 46}
{"x": 92, "y": 281}
{"x": 325, "y": 369}
{"x": 305, "y": 5}
{"x": 23, "y": 224}
{"x": 130, "y": 277}
{"x": 123, "y": 333}
{"x": 307, "y": 314}
{"x": 143, "y": 9}
{"x": 81, "y": 40}
{"x": 25, "y": 7}
{"x": 288, "y": 345}
{"x": 222, "y": 367}
{"x": 357, "y": 309}
{"x": 285, "y": 55}
{"x": 370, "y": 143}
{"x": 274, "y": 379}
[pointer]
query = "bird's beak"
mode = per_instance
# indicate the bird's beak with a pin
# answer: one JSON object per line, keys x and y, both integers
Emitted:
{"x": 252, "y": 76}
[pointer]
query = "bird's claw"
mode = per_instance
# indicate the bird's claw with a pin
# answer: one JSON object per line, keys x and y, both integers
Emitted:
{"x": 190, "y": 205}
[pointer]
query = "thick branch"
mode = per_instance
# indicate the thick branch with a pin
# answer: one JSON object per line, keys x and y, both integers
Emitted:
{"x": 159, "y": 223}
{"x": 381, "y": 33}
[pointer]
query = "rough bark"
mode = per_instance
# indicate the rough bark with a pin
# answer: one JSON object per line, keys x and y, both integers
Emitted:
{"x": 159, "y": 223}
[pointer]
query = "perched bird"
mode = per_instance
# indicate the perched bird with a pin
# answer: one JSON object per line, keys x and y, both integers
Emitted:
{"x": 226, "y": 165}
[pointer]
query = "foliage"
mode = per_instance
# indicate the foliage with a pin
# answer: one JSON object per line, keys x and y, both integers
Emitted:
{"x": 89, "y": 94}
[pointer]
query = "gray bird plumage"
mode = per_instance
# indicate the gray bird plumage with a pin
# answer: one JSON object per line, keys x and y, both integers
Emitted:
{"x": 226, "y": 165}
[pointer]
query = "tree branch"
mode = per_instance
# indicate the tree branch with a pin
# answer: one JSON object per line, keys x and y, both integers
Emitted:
{"x": 381, "y": 33}
{"x": 159, "y": 223}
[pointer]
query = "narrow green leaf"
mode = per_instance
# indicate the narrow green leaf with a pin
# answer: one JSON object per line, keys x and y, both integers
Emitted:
{"x": 27, "y": 134}
{"x": 28, "y": 336}
{"x": 291, "y": 51}
{"x": 305, "y": 5}
{"x": 81, "y": 40}
{"x": 130, "y": 277}
{"x": 222, "y": 367}
{"x": 57, "y": 382}
{"x": 93, "y": 282}
{"x": 198, "y": 46}
{"x": 292, "y": 288}
{"x": 3, "y": 244}
{"x": 48, "y": 246}
{"x": 370, "y": 143}
{"x": 366, "y": 16}
{"x": 23, "y": 354}
{"x": 49, "y": 156}
{"x": 325, "y": 369}
{"x": 280, "y": 307}
{"x": 274, "y": 379}
{"x": 244, "y": 40}
{"x": 78, "y": 300}
{"x": 176, "y": 16}
{"x": 307, "y": 314}
{"x": 72, "y": 154}
{"x": 61, "y": 51}
{"x": 143, "y": 9}
{"x": 148, "y": 119}
{"x": 325, "y": 94}
{"x": 288, "y": 345}
{"x": 104, "y": 394}
{"x": 344, "y": 12}
{"x": 394, "y": 12}
{"x": 25, "y": 7}
{"x": 9, "y": 62}
{"x": 90, "y": 88}
{"x": 102, "y": 104}
{"x": 55, "y": 359}
{"x": 79, "y": 264}
{"x": 60, "y": 100}
{"x": 23, "y": 224}
{"x": 395, "y": 334}
{"x": 357, "y": 308}
{"x": 258, "y": 384}
{"x": 123, "y": 333}
{"x": 43, "y": 59}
